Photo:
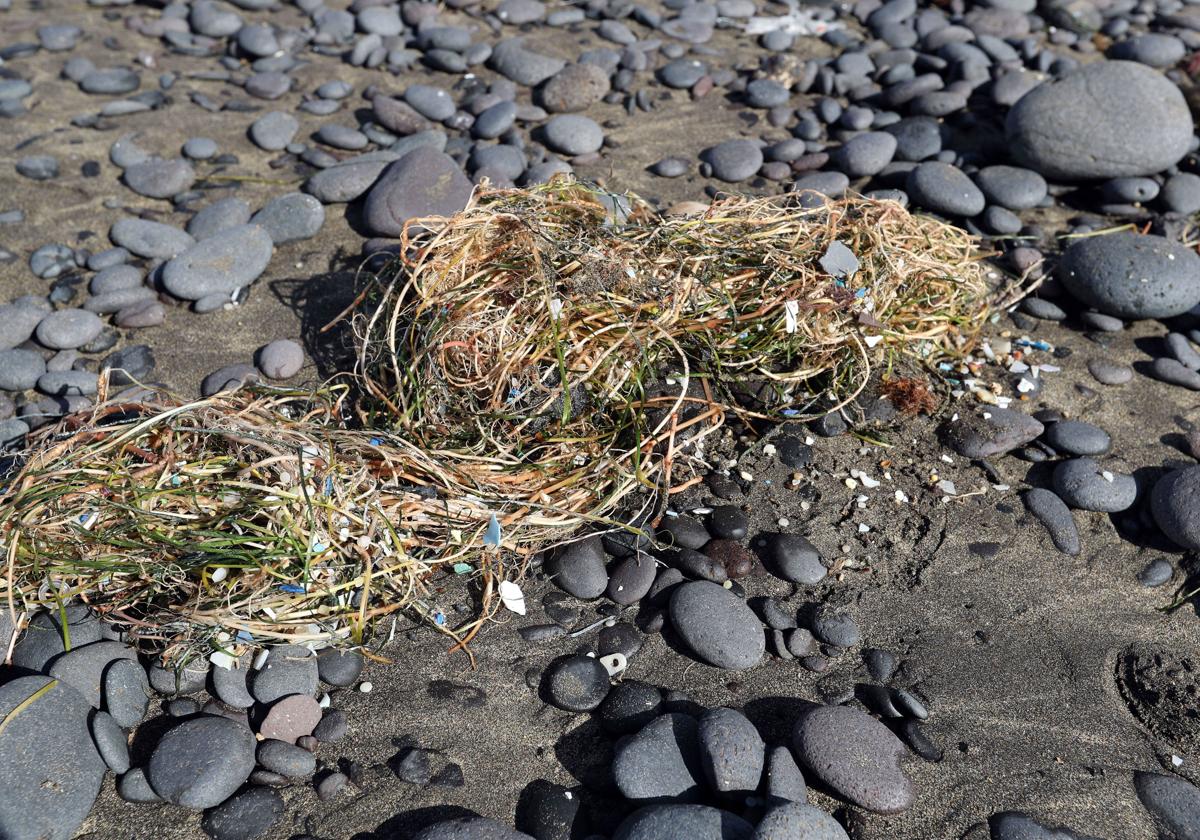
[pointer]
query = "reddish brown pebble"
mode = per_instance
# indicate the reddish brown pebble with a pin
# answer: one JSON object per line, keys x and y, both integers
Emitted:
{"x": 737, "y": 561}
{"x": 1193, "y": 443}
{"x": 702, "y": 87}
{"x": 290, "y": 718}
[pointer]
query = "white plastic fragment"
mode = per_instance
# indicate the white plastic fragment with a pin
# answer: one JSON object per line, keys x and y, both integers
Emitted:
{"x": 512, "y": 597}
{"x": 791, "y": 309}
{"x": 614, "y": 663}
{"x": 261, "y": 659}
{"x": 798, "y": 22}
{"x": 219, "y": 574}
{"x": 221, "y": 659}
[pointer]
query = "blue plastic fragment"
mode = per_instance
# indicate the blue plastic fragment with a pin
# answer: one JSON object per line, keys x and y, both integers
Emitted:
{"x": 243, "y": 636}
{"x": 492, "y": 537}
{"x": 328, "y": 485}
{"x": 292, "y": 588}
{"x": 860, "y": 293}
{"x": 790, "y": 412}
{"x": 376, "y": 441}
{"x": 439, "y": 618}
{"x": 1036, "y": 345}
{"x": 462, "y": 568}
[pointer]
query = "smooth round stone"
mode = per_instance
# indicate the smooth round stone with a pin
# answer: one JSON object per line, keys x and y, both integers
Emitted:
{"x": 728, "y": 522}
{"x": 110, "y": 742}
{"x": 58, "y": 37}
{"x": 431, "y": 102}
{"x": 671, "y": 167}
{"x": 68, "y": 329}
{"x": 766, "y": 93}
{"x": 219, "y": 216}
{"x": 1172, "y": 372}
{"x": 135, "y": 787}
{"x": 12, "y": 431}
{"x": 291, "y": 718}
{"x": 577, "y": 683}
{"x": 48, "y": 762}
{"x": 629, "y": 706}
{"x": 511, "y": 59}
{"x": 855, "y": 755}
{"x": 917, "y": 138}
{"x": 734, "y": 160}
{"x": 717, "y": 625}
{"x": 631, "y": 579}
{"x": 1091, "y": 123}
{"x": 1156, "y": 573}
{"x": 333, "y": 727}
{"x": 274, "y": 130}
{"x": 793, "y": 820}
{"x": 683, "y": 531}
{"x": 579, "y": 568}
{"x": 17, "y": 324}
{"x": 248, "y": 815}
{"x": 200, "y": 148}
{"x": 782, "y": 780}
{"x": 795, "y": 559}
{"x": 1175, "y": 503}
{"x": 991, "y": 432}
{"x": 186, "y": 679}
{"x": 469, "y": 828}
{"x": 232, "y": 686}
{"x": 228, "y": 378}
{"x": 1132, "y": 275}
{"x": 20, "y": 369}
{"x": 574, "y": 88}
{"x": 201, "y": 762}
{"x": 865, "y": 154}
{"x": 695, "y": 822}
{"x": 732, "y": 753}
{"x": 160, "y": 178}
{"x": 64, "y": 383}
{"x": 140, "y": 316}
{"x": 341, "y": 137}
{"x": 289, "y": 669}
{"x": 494, "y": 121}
{"x": 286, "y": 759}
{"x": 290, "y": 218}
{"x": 125, "y": 692}
{"x": 945, "y": 189}
{"x": 1181, "y": 193}
{"x": 1011, "y": 187}
{"x": 573, "y": 134}
{"x": 220, "y": 265}
{"x": 1152, "y": 48}
{"x": 152, "y": 240}
{"x": 425, "y": 182}
{"x": 1101, "y": 322}
{"x": 1076, "y": 437}
{"x": 1129, "y": 190}
{"x": 1173, "y": 802}
{"x": 1108, "y": 372}
{"x": 1080, "y": 483}
{"x": 38, "y": 167}
{"x": 836, "y": 628}
{"x": 268, "y": 85}
{"x": 339, "y": 667}
{"x": 281, "y": 359}
{"x": 110, "y": 81}
{"x": 661, "y": 762}
{"x": 381, "y": 20}
{"x": 114, "y": 279}
{"x": 682, "y": 73}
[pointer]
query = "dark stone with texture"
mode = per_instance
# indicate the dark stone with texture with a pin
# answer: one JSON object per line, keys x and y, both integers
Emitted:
{"x": 782, "y": 779}
{"x": 1082, "y": 484}
{"x": 202, "y": 762}
{"x": 1175, "y": 502}
{"x": 246, "y": 816}
{"x": 795, "y": 559}
{"x": 732, "y": 753}
{"x": 470, "y": 828}
{"x": 685, "y": 531}
{"x": 661, "y": 763}
{"x": 672, "y": 822}
{"x": 630, "y": 706}
{"x": 1132, "y": 275}
{"x": 1054, "y": 514}
{"x": 425, "y": 182}
{"x": 856, "y": 756}
{"x": 577, "y": 683}
{"x": 1076, "y": 437}
{"x": 717, "y": 625}
{"x": 797, "y": 820}
{"x": 50, "y": 768}
{"x": 579, "y": 568}
{"x": 339, "y": 667}
{"x": 991, "y": 431}
{"x": 1173, "y": 803}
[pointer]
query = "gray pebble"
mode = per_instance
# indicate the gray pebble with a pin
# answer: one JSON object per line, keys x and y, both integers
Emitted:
{"x": 1054, "y": 514}
{"x": 1175, "y": 503}
{"x": 1081, "y": 484}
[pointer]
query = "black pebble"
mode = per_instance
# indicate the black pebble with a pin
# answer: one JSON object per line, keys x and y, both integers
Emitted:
{"x": 728, "y": 522}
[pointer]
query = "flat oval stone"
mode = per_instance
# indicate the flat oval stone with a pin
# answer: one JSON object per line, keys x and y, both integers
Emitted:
{"x": 1012, "y": 187}
{"x": 782, "y": 780}
{"x": 153, "y": 240}
{"x": 1109, "y": 372}
{"x": 339, "y": 667}
{"x": 110, "y": 742}
{"x": 734, "y": 160}
{"x": 695, "y": 822}
{"x": 290, "y": 718}
{"x": 1091, "y": 123}
{"x": 126, "y": 692}
{"x": 579, "y": 568}
{"x": 289, "y": 669}
{"x": 290, "y": 218}
{"x": 944, "y": 189}
{"x": 286, "y": 759}
{"x": 469, "y": 828}
{"x": 280, "y": 359}
{"x": 248, "y": 814}
{"x": 1076, "y": 437}
{"x": 732, "y": 752}
{"x": 83, "y": 667}
{"x": 991, "y": 431}
{"x": 231, "y": 686}
{"x": 661, "y": 762}
{"x": 717, "y": 625}
{"x": 156, "y": 178}
{"x": 1173, "y": 802}
{"x": 220, "y": 265}
{"x": 795, "y": 559}
{"x": 1175, "y": 503}
{"x": 1054, "y": 514}
{"x": 629, "y": 706}
{"x": 50, "y": 768}
{"x": 201, "y": 762}
{"x": 68, "y": 329}
{"x": 573, "y": 134}
{"x": 631, "y": 579}
{"x": 274, "y": 130}
{"x": 577, "y": 683}
{"x": 424, "y": 182}
{"x": 1082, "y": 484}
{"x": 1132, "y": 275}
{"x": 20, "y": 369}
{"x": 856, "y": 756}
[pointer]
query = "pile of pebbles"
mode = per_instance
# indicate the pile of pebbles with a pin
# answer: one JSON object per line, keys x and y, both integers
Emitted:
{"x": 222, "y": 737}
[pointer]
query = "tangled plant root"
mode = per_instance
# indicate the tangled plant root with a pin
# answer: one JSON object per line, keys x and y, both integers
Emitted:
{"x": 542, "y": 324}
{"x": 246, "y": 517}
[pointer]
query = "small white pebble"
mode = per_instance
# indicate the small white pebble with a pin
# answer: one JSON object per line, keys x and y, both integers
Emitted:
{"x": 1107, "y": 476}
{"x": 324, "y": 700}
{"x": 1176, "y": 760}
{"x": 863, "y": 527}
{"x": 809, "y": 440}
{"x": 846, "y": 548}
{"x": 746, "y": 476}
{"x": 783, "y": 522}
{"x": 805, "y": 505}
{"x": 851, "y": 483}
{"x": 365, "y": 687}
{"x": 867, "y": 481}
{"x": 769, "y": 449}
{"x": 219, "y": 574}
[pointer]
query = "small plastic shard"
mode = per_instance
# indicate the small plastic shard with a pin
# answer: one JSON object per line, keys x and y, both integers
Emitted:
{"x": 512, "y": 597}
{"x": 614, "y": 663}
{"x": 221, "y": 659}
{"x": 492, "y": 536}
{"x": 839, "y": 261}
{"x": 791, "y": 309}
{"x": 462, "y": 568}
{"x": 798, "y": 22}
